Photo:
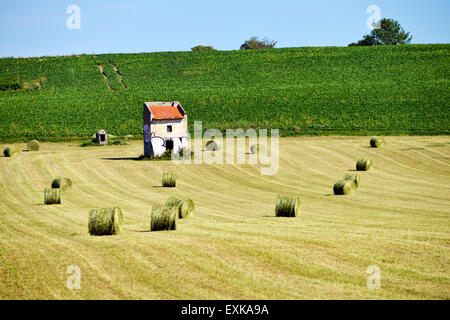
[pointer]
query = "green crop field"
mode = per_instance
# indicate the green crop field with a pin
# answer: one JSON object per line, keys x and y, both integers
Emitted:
{"x": 314, "y": 91}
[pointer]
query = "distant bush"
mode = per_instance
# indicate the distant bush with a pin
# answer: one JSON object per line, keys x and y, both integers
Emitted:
{"x": 167, "y": 155}
{"x": 386, "y": 32}
{"x": 94, "y": 144}
{"x": 117, "y": 143}
{"x": 203, "y": 48}
{"x": 254, "y": 43}
{"x": 10, "y": 86}
{"x": 183, "y": 153}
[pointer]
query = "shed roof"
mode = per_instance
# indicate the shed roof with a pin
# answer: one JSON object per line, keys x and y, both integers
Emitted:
{"x": 165, "y": 112}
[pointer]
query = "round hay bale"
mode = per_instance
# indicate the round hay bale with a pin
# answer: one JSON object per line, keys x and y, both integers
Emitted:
{"x": 104, "y": 222}
{"x": 168, "y": 180}
{"x": 52, "y": 196}
{"x": 185, "y": 206}
{"x": 212, "y": 146}
{"x": 344, "y": 187}
{"x": 356, "y": 178}
{"x": 363, "y": 164}
{"x": 61, "y": 183}
{"x": 11, "y": 151}
{"x": 256, "y": 147}
{"x": 33, "y": 145}
{"x": 287, "y": 207}
{"x": 164, "y": 218}
{"x": 377, "y": 142}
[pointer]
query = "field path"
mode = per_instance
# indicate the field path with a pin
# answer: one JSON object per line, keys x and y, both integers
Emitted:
{"x": 102, "y": 71}
{"x": 116, "y": 69}
{"x": 233, "y": 247}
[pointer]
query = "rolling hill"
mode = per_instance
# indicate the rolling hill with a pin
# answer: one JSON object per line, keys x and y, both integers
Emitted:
{"x": 312, "y": 91}
{"x": 233, "y": 247}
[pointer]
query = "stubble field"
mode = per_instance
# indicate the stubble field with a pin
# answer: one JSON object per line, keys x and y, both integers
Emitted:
{"x": 233, "y": 247}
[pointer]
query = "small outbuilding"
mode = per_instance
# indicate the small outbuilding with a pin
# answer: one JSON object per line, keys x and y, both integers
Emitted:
{"x": 101, "y": 137}
{"x": 165, "y": 128}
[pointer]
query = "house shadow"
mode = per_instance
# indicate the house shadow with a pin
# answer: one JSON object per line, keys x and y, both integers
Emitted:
{"x": 274, "y": 216}
{"x": 123, "y": 159}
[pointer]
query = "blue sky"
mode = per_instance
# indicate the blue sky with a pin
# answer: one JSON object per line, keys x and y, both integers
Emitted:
{"x": 38, "y": 28}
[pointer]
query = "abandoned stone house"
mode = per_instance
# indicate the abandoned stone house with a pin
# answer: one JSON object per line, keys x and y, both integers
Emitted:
{"x": 165, "y": 128}
{"x": 101, "y": 137}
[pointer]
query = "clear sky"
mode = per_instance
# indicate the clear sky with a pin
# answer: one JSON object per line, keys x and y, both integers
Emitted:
{"x": 38, "y": 28}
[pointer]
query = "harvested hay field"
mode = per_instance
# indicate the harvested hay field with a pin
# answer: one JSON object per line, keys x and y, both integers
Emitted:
{"x": 233, "y": 247}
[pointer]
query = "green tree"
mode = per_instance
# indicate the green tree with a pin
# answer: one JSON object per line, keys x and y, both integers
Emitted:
{"x": 254, "y": 43}
{"x": 386, "y": 32}
{"x": 203, "y": 48}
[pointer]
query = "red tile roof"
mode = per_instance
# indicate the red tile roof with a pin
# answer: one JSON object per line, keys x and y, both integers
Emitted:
{"x": 165, "y": 112}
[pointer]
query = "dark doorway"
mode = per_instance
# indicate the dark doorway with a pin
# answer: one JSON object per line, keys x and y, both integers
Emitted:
{"x": 169, "y": 145}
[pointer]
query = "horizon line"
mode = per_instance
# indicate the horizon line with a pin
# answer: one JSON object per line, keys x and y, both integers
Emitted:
{"x": 215, "y": 50}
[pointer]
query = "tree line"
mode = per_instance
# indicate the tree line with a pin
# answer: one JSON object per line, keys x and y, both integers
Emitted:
{"x": 385, "y": 32}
